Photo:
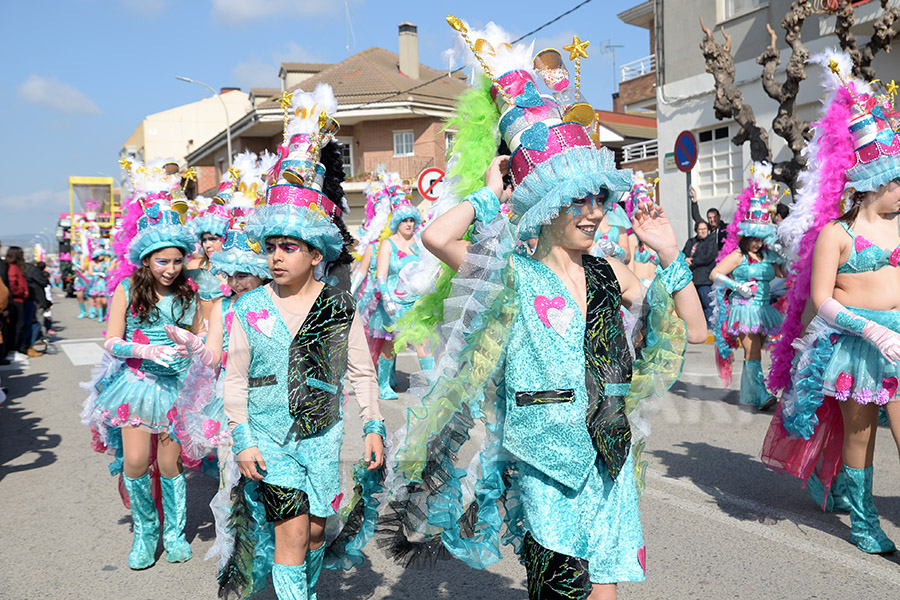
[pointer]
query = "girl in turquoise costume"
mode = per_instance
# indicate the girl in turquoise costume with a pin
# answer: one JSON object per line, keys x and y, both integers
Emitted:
{"x": 199, "y": 422}
{"x": 535, "y": 347}
{"x": 97, "y": 288}
{"x": 741, "y": 277}
{"x": 842, "y": 370}
{"x": 394, "y": 253}
{"x": 292, "y": 342}
{"x": 210, "y": 228}
{"x": 142, "y": 371}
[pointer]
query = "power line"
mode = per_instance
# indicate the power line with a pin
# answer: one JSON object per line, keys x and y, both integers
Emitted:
{"x": 515, "y": 41}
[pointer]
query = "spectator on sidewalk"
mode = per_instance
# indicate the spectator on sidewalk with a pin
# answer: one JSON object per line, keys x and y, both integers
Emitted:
{"x": 18, "y": 288}
{"x": 700, "y": 252}
{"x": 38, "y": 281}
{"x": 717, "y": 229}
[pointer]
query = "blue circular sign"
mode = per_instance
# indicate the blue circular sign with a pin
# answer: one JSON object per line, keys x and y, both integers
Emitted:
{"x": 685, "y": 151}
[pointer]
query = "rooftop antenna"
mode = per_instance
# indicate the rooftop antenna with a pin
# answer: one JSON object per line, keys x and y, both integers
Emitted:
{"x": 349, "y": 27}
{"x": 608, "y": 48}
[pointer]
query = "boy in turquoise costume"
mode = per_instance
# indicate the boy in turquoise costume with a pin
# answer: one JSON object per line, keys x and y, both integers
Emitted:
{"x": 292, "y": 342}
{"x": 535, "y": 346}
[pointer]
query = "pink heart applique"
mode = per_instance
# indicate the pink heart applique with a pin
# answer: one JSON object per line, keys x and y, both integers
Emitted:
{"x": 123, "y": 411}
{"x": 890, "y": 385}
{"x": 211, "y": 427}
{"x": 834, "y": 337}
{"x": 845, "y": 381}
{"x": 336, "y": 501}
{"x": 139, "y": 337}
{"x": 642, "y": 558}
{"x": 861, "y": 243}
{"x": 172, "y": 414}
{"x": 255, "y": 315}
{"x": 229, "y": 320}
{"x": 895, "y": 257}
{"x": 401, "y": 254}
{"x": 542, "y": 304}
{"x": 224, "y": 358}
{"x": 226, "y": 291}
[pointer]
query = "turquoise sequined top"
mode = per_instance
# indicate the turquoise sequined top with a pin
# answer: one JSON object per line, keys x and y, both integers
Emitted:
{"x": 167, "y": 312}
{"x": 760, "y": 272}
{"x": 866, "y": 256}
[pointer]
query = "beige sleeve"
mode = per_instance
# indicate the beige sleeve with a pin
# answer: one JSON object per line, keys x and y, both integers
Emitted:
{"x": 361, "y": 372}
{"x": 237, "y": 372}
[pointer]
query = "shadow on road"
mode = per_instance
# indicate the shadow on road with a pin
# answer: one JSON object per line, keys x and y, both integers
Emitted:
{"x": 23, "y": 441}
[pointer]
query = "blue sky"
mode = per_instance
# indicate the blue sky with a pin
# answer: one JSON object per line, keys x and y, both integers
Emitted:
{"x": 80, "y": 75}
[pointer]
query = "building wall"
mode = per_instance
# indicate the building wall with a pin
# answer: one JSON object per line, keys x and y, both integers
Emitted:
{"x": 685, "y": 102}
{"x": 637, "y": 89}
{"x": 374, "y": 146}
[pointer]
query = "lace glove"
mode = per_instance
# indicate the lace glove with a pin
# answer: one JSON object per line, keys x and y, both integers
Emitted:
{"x": 887, "y": 341}
{"x": 744, "y": 288}
{"x": 387, "y": 300}
{"x": 192, "y": 342}
{"x": 161, "y": 355}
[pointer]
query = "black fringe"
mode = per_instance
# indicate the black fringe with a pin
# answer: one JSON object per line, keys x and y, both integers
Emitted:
{"x": 234, "y": 578}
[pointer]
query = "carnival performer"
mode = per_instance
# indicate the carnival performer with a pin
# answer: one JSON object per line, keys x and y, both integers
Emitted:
{"x": 142, "y": 371}
{"x": 394, "y": 253}
{"x": 97, "y": 287}
{"x": 741, "y": 278}
{"x": 210, "y": 228}
{"x": 292, "y": 342}
{"x": 371, "y": 233}
{"x": 199, "y": 423}
{"x": 838, "y": 374}
{"x": 81, "y": 284}
{"x": 537, "y": 350}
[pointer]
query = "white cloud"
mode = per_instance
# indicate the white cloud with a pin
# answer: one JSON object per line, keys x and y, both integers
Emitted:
{"x": 49, "y": 201}
{"x": 238, "y": 12}
{"x": 52, "y": 93}
{"x": 264, "y": 73}
{"x": 23, "y": 213}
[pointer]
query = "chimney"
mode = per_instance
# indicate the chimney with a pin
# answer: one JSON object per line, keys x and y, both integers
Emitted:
{"x": 409, "y": 50}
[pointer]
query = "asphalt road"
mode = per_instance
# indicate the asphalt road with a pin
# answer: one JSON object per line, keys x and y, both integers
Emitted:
{"x": 717, "y": 523}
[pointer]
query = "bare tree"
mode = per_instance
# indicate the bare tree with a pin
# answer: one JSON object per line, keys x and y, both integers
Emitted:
{"x": 729, "y": 103}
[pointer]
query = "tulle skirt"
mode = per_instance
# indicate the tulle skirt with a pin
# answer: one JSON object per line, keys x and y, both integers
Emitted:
{"x": 97, "y": 286}
{"x": 857, "y": 369}
{"x": 752, "y": 316}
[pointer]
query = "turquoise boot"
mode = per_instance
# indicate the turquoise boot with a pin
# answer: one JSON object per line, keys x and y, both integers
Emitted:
{"x": 837, "y": 497}
{"x": 290, "y": 582}
{"x": 101, "y": 314}
{"x": 394, "y": 373}
{"x": 313, "y": 568}
{"x": 146, "y": 522}
{"x": 92, "y": 312}
{"x": 426, "y": 363}
{"x": 83, "y": 312}
{"x": 175, "y": 513}
{"x": 384, "y": 378}
{"x": 753, "y": 386}
{"x": 865, "y": 529}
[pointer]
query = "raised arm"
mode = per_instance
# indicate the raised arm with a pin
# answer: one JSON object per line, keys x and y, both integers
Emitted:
{"x": 444, "y": 236}
{"x": 653, "y": 228}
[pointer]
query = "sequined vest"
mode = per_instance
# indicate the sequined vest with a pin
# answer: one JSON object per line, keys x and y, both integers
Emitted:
{"x": 294, "y": 385}
{"x": 566, "y": 376}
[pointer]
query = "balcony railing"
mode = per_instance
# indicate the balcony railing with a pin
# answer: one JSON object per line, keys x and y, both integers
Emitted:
{"x": 637, "y": 68}
{"x": 640, "y": 150}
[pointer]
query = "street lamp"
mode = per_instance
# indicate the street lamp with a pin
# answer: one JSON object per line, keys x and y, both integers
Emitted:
{"x": 227, "y": 120}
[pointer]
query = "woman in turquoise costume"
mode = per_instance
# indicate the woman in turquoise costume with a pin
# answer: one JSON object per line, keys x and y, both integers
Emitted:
{"x": 97, "y": 287}
{"x": 210, "y": 228}
{"x": 281, "y": 508}
{"x": 394, "y": 253}
{"x": 741, "y": 277}
{"x": 843, "y": 369}
{"x": 535, "y": 348}
{"x": 143, "y": 370}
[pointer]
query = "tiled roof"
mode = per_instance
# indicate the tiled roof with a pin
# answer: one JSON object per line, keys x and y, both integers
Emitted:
{"x": 265, "y": 92}
{"x": 304, "y": 67}
{"x": 374, "y": 75}
{"x": 627, "y": 125}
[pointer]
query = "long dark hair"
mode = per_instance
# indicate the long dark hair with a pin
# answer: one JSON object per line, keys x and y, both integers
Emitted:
{"x": 849, "y": 217}
{"x": 16, "y": 256}
{"x": 144, "y": 298}
{"x": 744, "y": 244}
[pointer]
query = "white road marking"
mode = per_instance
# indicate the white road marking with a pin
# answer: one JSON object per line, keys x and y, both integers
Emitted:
{"x": 710, "y": 511}
{"x": 83, "y": 353}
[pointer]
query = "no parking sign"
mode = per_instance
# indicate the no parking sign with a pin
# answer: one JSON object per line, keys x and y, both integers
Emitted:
{"x": 430, "y": 183}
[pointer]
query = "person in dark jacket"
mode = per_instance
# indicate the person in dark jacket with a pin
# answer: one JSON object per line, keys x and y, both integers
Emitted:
{"x": 717, "y": 229}
{"x": 38, "y": 279}
{"x": 700, "y": 252}
{"x": 19, "y": 298}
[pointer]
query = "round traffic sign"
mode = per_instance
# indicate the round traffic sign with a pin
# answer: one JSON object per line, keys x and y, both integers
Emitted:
{"x": 430, "y": 183}
{"x": 685, "y": 151}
